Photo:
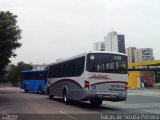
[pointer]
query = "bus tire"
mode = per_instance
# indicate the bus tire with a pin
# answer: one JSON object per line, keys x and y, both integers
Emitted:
{"x": 96, "y": 102}
{"x": 65, "y": 97}
{"x": 40, "y": 90}
{"x": 25, "y": 89}
{"x": 51, "y": 97}
{"x": 49, "y": 94}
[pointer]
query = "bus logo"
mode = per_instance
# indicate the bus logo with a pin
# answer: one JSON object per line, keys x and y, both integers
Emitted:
{"x": 100, "y": 77}
{"x": 94, "y": 87}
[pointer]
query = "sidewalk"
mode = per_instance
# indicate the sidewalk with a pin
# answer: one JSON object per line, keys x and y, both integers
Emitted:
{"x": 10, "y": 90}
{"x": 144, "y": 89}
{"x": 2, "y": 85}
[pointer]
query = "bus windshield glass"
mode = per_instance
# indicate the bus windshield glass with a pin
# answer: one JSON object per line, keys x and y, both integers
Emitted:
{"x": 107, "y": 63}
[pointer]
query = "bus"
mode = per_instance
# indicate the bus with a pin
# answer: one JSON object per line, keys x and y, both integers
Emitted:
{"x": 91, "y": 76}
{"x": 33, "y": 80}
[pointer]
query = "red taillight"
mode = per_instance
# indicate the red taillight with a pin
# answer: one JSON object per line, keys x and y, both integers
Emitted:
{"x": 126, "y": 86}
{"x": 86, "y": 84}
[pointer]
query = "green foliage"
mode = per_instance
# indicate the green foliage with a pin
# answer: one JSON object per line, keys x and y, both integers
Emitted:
{"x": 13, "y": 75}
{"x": 10, "y": 34}
{"x": 4, "y": 79}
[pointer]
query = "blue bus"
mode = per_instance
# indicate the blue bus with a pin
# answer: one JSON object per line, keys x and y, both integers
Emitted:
{"x": 33, "y": 80}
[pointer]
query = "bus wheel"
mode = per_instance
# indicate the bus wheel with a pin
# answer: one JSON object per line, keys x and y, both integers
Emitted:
{"x": 65, "y": 99}
{"x": 25, "y": 89}
{"x": 47, "y": 92}
{"x": 50, "y": 96}
{"x": 95, "y": 102}
{"x": 39, "y": 90}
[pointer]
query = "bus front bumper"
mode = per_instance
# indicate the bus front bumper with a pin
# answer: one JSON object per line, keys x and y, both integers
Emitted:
{"x": 108, "y": 96}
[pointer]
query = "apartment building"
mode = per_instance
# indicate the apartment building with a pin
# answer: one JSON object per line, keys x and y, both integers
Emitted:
{"x": 112, "y": 42}
{"x": 139, "y": 55}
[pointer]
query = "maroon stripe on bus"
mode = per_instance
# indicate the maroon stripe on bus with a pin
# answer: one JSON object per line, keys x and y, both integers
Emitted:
{"x": 108, "y": 82}
{"x": 68, "y": 80}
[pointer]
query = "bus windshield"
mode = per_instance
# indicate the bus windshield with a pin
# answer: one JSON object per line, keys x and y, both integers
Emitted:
{"x": 107, "y": 63}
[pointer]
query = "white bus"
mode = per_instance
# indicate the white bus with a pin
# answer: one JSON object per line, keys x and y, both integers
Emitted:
{"x": 93, "y": 76}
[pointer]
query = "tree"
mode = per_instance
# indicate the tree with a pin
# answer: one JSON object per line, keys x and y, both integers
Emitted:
{"x": 13, "y": 75}
{"x": 10, "y": 34}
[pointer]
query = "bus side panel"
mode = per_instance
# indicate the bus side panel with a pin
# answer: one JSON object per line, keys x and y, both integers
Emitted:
{"x": 33, "y": 85}
{"x": 56, "y": 89}
{"x": 74, "y": 89}
{"x": 43, "y": 84}
{"x": 21, "y": 84}
{"x": 40, "y": 83}
{"x": 29, "y": 84}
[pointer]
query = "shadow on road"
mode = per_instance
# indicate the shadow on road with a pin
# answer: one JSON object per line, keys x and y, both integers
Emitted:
{"x": 85, "y": 105}
{"x": 79, "y": 104}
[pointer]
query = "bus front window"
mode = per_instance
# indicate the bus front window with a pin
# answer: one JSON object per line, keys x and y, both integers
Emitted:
{"x": 109, "y": 63}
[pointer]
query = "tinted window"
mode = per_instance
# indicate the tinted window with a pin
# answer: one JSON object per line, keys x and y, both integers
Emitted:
{"x": 34, "y": 75}
{"x": 111, "y": 63}
{"x": 69, "y": 68}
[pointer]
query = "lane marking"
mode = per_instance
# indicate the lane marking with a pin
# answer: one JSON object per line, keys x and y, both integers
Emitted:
{"x": 68, "y": 115}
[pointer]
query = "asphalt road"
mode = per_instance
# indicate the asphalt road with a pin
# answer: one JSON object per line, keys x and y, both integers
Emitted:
{"x": 14, "y": 101}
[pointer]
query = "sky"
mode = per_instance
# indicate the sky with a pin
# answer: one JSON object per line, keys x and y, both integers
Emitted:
{"x": 55, "y": 29}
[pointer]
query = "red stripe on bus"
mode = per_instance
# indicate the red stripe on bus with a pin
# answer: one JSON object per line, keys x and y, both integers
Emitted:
{"x": 68, "y": 80}
{"x": 108, "y": 82}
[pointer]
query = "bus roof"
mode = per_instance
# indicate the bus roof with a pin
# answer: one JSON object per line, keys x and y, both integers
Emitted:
{"x": 84, "y": 54}
{"x": 32, "y": 71}
{"x": 110, "y": 52}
